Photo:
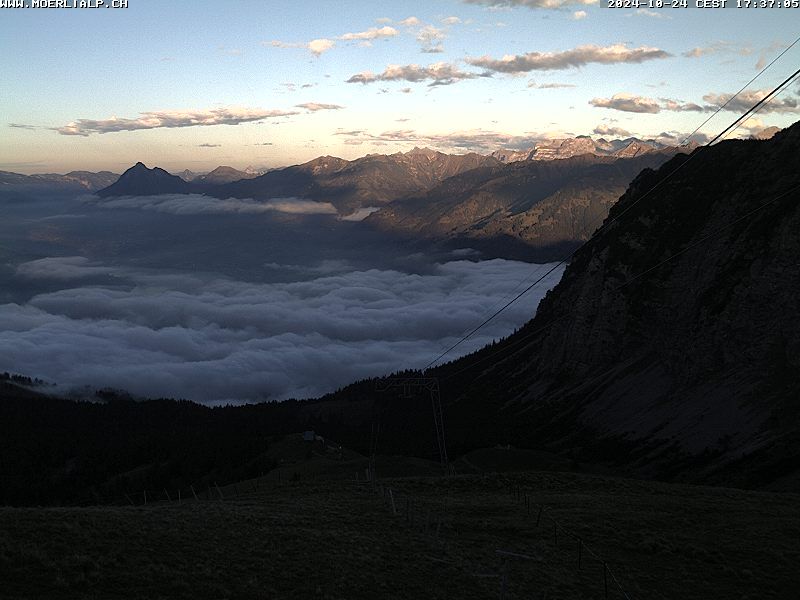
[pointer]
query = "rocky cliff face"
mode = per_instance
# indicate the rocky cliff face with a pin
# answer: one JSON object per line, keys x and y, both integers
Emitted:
{"x": 692, "y": 365}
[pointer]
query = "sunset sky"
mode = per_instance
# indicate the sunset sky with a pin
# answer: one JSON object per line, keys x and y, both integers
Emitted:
{"x": 195, "y": 84}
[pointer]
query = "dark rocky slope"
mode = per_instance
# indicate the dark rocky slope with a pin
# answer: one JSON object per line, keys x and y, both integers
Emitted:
{"x": 687, "y": 369}
{"x": 141, "y": 181}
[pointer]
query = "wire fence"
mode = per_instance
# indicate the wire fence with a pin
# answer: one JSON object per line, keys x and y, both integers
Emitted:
{"x": 558, "y": 550}
{"x": 568, "y": 551}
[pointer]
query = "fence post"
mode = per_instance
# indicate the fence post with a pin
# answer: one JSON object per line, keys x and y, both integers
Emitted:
{"x": 580, "y": 549}
{"x": 179, "y": 496}
{"x": 221, "y": 497}
{"x": 504, "y": 580}
{"x": 539, "y": 516}
{"x": 144, "y": 493}
{"x": 191, "y": 487}
{"x": 130, "y": 500}
{"x": 167, "y": 495}
{"x": 391, "y": 497}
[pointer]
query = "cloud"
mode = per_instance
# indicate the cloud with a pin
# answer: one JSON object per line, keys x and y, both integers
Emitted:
{"x": 23, "y": 126}
{"x": 316, "y": 47}
{"x": 209, "y": 145}
{"x": 214, "y": 339}
{"x": 612, "y": 131}
{"x": 741, "y": 103}
{"x": 531, "y": 3}
{"x": 628, "y": 103}
{"x": 460, "y": 141}
{"x": 171, "y": 119}
{"x": 410, "y": 22}
{"x": 430, "y": 38}
{"x": 196, "y": 204}
{"x": 717, "y": 48}
{"x": 315, "y": 106}
{"x": 676, "y": 138}
{"x": 579, "y": 14}
{"x": 64, "y": 268}
{"x": 451, "y": 21}
{"x": 549, "y": 86}
{"x": 746, "y": 99}
{"x": 577, "y": 57}
{"x": 677, "y": 106}
{"x": 372, "y": 33}
{"x": 361, "y": 213}
{"x": 319, "y": 46}
{"x": 440, "y": 73}
{"x": 653, "y": 14}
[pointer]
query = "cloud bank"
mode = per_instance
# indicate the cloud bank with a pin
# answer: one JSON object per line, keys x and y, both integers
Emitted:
{"x": 576, "y": 57}
{"x": 215, "y": 339}
{"x": 315, "y": 106}
{"x": 740, "y": 104}
{"x": 171, "y": 119}
{"x": 197, "y": 204}
{"x": 627, "y": 103}
{"x": 459, "y": 141}
{"x": 440, "y": 73}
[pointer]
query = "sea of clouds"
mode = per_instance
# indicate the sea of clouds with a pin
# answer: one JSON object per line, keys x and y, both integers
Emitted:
{"x": 214, "y": 339}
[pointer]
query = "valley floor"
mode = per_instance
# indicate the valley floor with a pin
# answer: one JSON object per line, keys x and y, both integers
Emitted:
{"x": 314, "y": 538}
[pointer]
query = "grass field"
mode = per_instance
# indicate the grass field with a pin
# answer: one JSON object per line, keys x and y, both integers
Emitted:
{"x": 336, "y": 538}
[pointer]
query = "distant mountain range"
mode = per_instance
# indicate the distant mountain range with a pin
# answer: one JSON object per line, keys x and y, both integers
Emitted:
{"x": 370, "y": 181}
{"x": 530, "y": 209}
{"x": 77, "y": 180}
{"x": 532, "y": 205}
{"x": 557, "y": 149}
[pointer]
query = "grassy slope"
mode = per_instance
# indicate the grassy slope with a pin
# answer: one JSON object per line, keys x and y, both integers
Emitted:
{"x": 336, "y": 539}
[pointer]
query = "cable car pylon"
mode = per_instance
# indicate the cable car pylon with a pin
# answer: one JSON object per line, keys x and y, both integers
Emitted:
{"x": 409, "y": 387}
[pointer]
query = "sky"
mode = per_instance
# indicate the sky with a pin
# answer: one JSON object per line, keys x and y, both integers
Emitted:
{"x": 196, "y": 84}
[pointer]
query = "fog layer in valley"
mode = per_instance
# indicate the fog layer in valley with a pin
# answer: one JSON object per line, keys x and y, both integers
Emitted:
{"x": 214, "y": 301}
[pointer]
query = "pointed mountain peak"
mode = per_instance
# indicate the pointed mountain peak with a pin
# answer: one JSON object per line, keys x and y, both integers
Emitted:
{"x": 417, "y": 151}
{"x": 141, "y": 181}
